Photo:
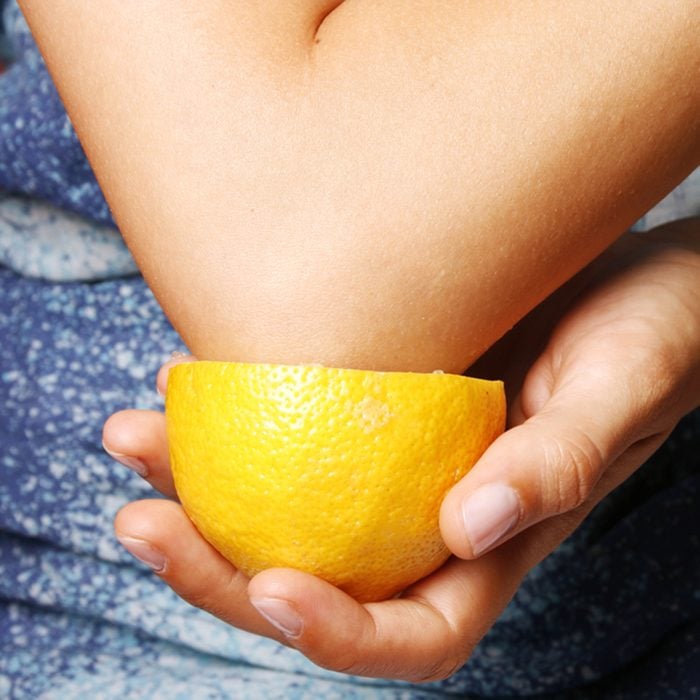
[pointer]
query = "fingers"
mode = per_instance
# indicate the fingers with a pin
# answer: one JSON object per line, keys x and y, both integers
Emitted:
{"x": 138, "y": 440}
{"x": 547, "y": 466}
{"x": 425, "y": 635}
{"x": 162, "y": 377}
{"x": 612, "y": 377}
{"x": 160, "y": 534}
{"x": 408, "y": 639}
{"x": 399, "y": 638}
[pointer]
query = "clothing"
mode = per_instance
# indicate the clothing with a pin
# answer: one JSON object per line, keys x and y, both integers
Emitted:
{"x": 38, "y": 240}
{"x": 613, "y": 613}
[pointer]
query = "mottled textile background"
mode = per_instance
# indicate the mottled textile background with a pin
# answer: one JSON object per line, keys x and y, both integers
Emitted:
{"x": 613, "y": 613}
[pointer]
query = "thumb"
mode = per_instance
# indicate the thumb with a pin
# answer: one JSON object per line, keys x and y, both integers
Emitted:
{"x": 544, "y": 467}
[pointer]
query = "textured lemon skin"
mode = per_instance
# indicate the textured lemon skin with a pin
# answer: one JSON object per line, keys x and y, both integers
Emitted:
{"x": 336, "y": 472}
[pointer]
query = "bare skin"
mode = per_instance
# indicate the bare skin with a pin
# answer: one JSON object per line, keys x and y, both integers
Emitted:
{"x": 394, "y": 186}
{"x": 377, "y": 185}
{"x": 603, "y": 372}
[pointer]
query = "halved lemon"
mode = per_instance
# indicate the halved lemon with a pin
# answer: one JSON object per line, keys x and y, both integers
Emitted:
{"x": 336, "y": 472}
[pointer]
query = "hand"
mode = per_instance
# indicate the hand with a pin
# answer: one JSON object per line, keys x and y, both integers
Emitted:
{"x": 375, "y": 639}
{"x": 617, "y": 371}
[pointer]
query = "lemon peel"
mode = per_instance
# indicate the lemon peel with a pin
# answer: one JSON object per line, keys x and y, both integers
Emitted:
{"x": 337, "y": 472}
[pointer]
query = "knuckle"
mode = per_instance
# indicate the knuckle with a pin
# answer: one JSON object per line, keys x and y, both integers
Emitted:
{"x": 456, "y": 648}
{"x": 347, "y": 661}
{"x": 376, "y": 652}
{"x": 344, "y": 656}
{"x": 657, "y": 377}
{"x": 355, "y": 662}
{"x": 439, "y": 671}
{"x": 198, "y": 599}
{"x": 206, "y": 603}
{"x": 664, "y": 395}
{"x": 573, "y": 467}
{"x": 215, "y": 599}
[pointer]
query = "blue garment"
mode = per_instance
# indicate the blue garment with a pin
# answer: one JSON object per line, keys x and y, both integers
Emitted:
{"x": 79, "y": 614}
{"x": 40, "y": 155}
{"x": 39, "y": 240}
{"x": 613, "y": 613}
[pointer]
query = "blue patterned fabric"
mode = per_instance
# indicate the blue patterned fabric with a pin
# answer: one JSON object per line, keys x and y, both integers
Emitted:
{"x": 80, "y": 615}
{"x": 614, "y": 613}
{"x": 38, "y": 240}
{"x": 37, "y": 141}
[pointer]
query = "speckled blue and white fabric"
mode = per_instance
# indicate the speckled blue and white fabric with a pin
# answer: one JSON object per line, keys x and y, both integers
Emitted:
{"x": 78, "y": 616}
{"x": 614, "y": 613}
{"x": 40, "y": 155}
{"x": 40, "y": 240}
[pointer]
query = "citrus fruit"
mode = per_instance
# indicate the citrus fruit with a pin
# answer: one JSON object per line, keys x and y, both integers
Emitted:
{"x": 336, "y": 472}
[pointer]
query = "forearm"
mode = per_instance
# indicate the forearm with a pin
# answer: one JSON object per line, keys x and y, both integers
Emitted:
{"x": 397, "y": 195}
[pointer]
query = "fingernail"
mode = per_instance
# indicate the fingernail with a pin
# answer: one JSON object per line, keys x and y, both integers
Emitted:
{"x": 177, "y": 354}
{"x": 144, "y": 552}
{"x": 488, "y": 514}
{"x": 132, "y": 463}
{"x": 280, "y": 614}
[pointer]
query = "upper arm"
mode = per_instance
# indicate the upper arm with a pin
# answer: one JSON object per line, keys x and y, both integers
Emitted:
{"x": 417, "y": 171}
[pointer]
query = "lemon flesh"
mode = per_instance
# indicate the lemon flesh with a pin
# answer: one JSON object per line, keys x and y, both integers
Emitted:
{"x": 336, "y": 472}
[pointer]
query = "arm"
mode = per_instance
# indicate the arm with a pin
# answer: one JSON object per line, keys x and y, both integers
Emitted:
{"x": 620, "y": 365}
{"x": 370, "y": 184}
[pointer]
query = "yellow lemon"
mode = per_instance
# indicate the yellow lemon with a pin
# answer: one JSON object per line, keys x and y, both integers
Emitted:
{"x": 336, "y": 472}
